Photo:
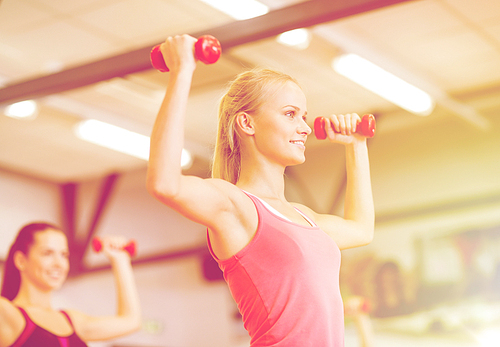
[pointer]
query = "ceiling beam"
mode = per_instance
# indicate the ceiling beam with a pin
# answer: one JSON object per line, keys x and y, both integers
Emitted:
{"x": 304, "y": 14}
{"x": 195, "y": 251}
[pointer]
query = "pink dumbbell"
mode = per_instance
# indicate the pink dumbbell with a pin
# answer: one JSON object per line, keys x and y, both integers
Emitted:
{"x": 130, "y": 247}
{"x": 207, "y": 50}
{"x": 366, "y": 127}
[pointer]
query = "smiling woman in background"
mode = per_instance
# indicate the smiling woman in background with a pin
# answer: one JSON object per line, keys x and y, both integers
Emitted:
{"x": 38, "y": 264}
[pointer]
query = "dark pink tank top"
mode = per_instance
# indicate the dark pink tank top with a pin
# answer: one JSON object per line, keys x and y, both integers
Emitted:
{"x": 36, "y": 336}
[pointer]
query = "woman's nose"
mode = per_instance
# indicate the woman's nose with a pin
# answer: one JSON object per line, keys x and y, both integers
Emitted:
{"x": 60, "y": 260}
{"x": 304, "y": 128}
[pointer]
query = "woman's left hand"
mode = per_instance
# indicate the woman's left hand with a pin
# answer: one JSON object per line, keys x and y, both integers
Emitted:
{"x": 342, "y": 128}
{"x": 113, "y": 246}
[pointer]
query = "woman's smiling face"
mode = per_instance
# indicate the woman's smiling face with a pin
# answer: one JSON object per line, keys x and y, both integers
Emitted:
{"x": 47, "y": 263}
{"x": 280, "y": 125}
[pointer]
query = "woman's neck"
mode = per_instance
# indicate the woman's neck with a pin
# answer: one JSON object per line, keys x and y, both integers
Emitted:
{"x": 260, "y": 175}
{"x": 266, "y": 183}
{"x": 29, "y": 295}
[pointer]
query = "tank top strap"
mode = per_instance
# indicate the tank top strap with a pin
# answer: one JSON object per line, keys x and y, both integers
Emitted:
{"x": 309, "y": 220}
{"x": 25, "y": 315}
{"x": 266, "y": 205}
{"x": 68, "y": 318}
{"x": 28, "y": 329}
{"x": 73, "y": 340}
{"x": 277, "y": 213}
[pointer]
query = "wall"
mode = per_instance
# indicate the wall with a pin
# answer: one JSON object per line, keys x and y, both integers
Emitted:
{"x": 427, "y": 183}
{"x": 24, "y": 199}
{"x": 180, "y": 307}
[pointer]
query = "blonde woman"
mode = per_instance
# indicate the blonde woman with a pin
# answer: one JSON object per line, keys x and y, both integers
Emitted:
{"x": 280, "y": 259}
{"x": 37, "y": 264}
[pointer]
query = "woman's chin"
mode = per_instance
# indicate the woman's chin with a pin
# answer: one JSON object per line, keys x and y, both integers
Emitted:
{"x": 298, "y": 161}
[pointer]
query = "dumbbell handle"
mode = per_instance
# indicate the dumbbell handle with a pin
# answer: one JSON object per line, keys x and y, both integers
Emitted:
{"x": 207, "y": 49}
{"x": 363, "y": 306}
{"x": 366, "y": 306}
{"x": 130, "y": 247}
{"x": 366, "y": 127}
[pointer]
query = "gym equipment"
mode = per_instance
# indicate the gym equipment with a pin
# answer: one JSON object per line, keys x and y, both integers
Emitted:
{"x": 130, "y": 247}
{"x": 366, "y": 127}
{"x": 207, "y": 49}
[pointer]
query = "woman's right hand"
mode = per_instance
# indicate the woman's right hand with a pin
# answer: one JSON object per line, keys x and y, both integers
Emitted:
{"x": 178, "y": 52}
{"x": 356, "y": 305}
{"x": 342, "y": 128}
{"x": 113, "y": 247}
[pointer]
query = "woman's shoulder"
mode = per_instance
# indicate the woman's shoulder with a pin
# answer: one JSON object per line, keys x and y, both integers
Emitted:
{"x": 233, "y": 193}
{"x": 239, "y": 210}
{"x": 7, "y": 308}
{"x": 76, "y": 318}
{"x": 11, "y": 322}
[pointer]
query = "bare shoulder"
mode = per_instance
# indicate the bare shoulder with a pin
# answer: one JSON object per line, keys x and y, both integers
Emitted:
{"x": 223, "y": 185}
{"x": 77, "y": 318}
{"x": 11, "y": 322}
{"x": 238, "y": 203}
{"x": 8, "y": 309}
{"x": 344, "y": 232}
{"x": 235, "y": 224}
{"x": 327, "y": 222}
{"x": 74, "y": 314}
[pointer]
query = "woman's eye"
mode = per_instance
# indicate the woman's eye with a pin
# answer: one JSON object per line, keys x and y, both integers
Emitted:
{"x": 290, "y": 113}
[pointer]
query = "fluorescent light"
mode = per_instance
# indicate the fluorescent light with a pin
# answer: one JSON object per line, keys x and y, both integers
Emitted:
{"x": 384, "y": 84}
{"x": 121, "y": 140}
{"x": 113, "y": 137}
{"x": 22, "y": 110}
{"x": 298, "y": 38}
{"x": 239, "y": 10}
{"x": 489, "y": 338}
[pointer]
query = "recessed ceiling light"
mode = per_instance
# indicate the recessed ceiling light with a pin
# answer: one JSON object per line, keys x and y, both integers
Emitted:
{"x": 239, "y": 10}
{"x": 298, "y": 38}
{"x": 27, "y": 109}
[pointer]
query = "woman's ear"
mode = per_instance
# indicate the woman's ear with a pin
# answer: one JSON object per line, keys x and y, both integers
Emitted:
{"x": 19, "y": 260}
{"x": 245, "y": 123}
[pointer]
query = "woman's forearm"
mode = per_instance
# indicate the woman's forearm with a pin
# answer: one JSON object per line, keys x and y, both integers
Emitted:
{"x": 365, "y": 330}
{"x": 128, "y": 305}
{"x": 359, "y": 198}
{"x": 167, "y": 138}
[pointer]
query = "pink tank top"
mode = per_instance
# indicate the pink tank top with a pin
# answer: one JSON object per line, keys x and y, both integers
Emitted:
{"x": 286, "y": 284}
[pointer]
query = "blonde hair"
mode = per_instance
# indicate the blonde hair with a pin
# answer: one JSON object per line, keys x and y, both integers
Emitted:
{"x": 246, "y": 93}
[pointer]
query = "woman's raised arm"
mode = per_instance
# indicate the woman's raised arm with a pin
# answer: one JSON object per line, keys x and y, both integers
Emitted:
{"x": 128, "y": 316}
{"x": 165, "y": 181}
{"x": 167, "y": 138}
{"x": 356, "y": 228}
